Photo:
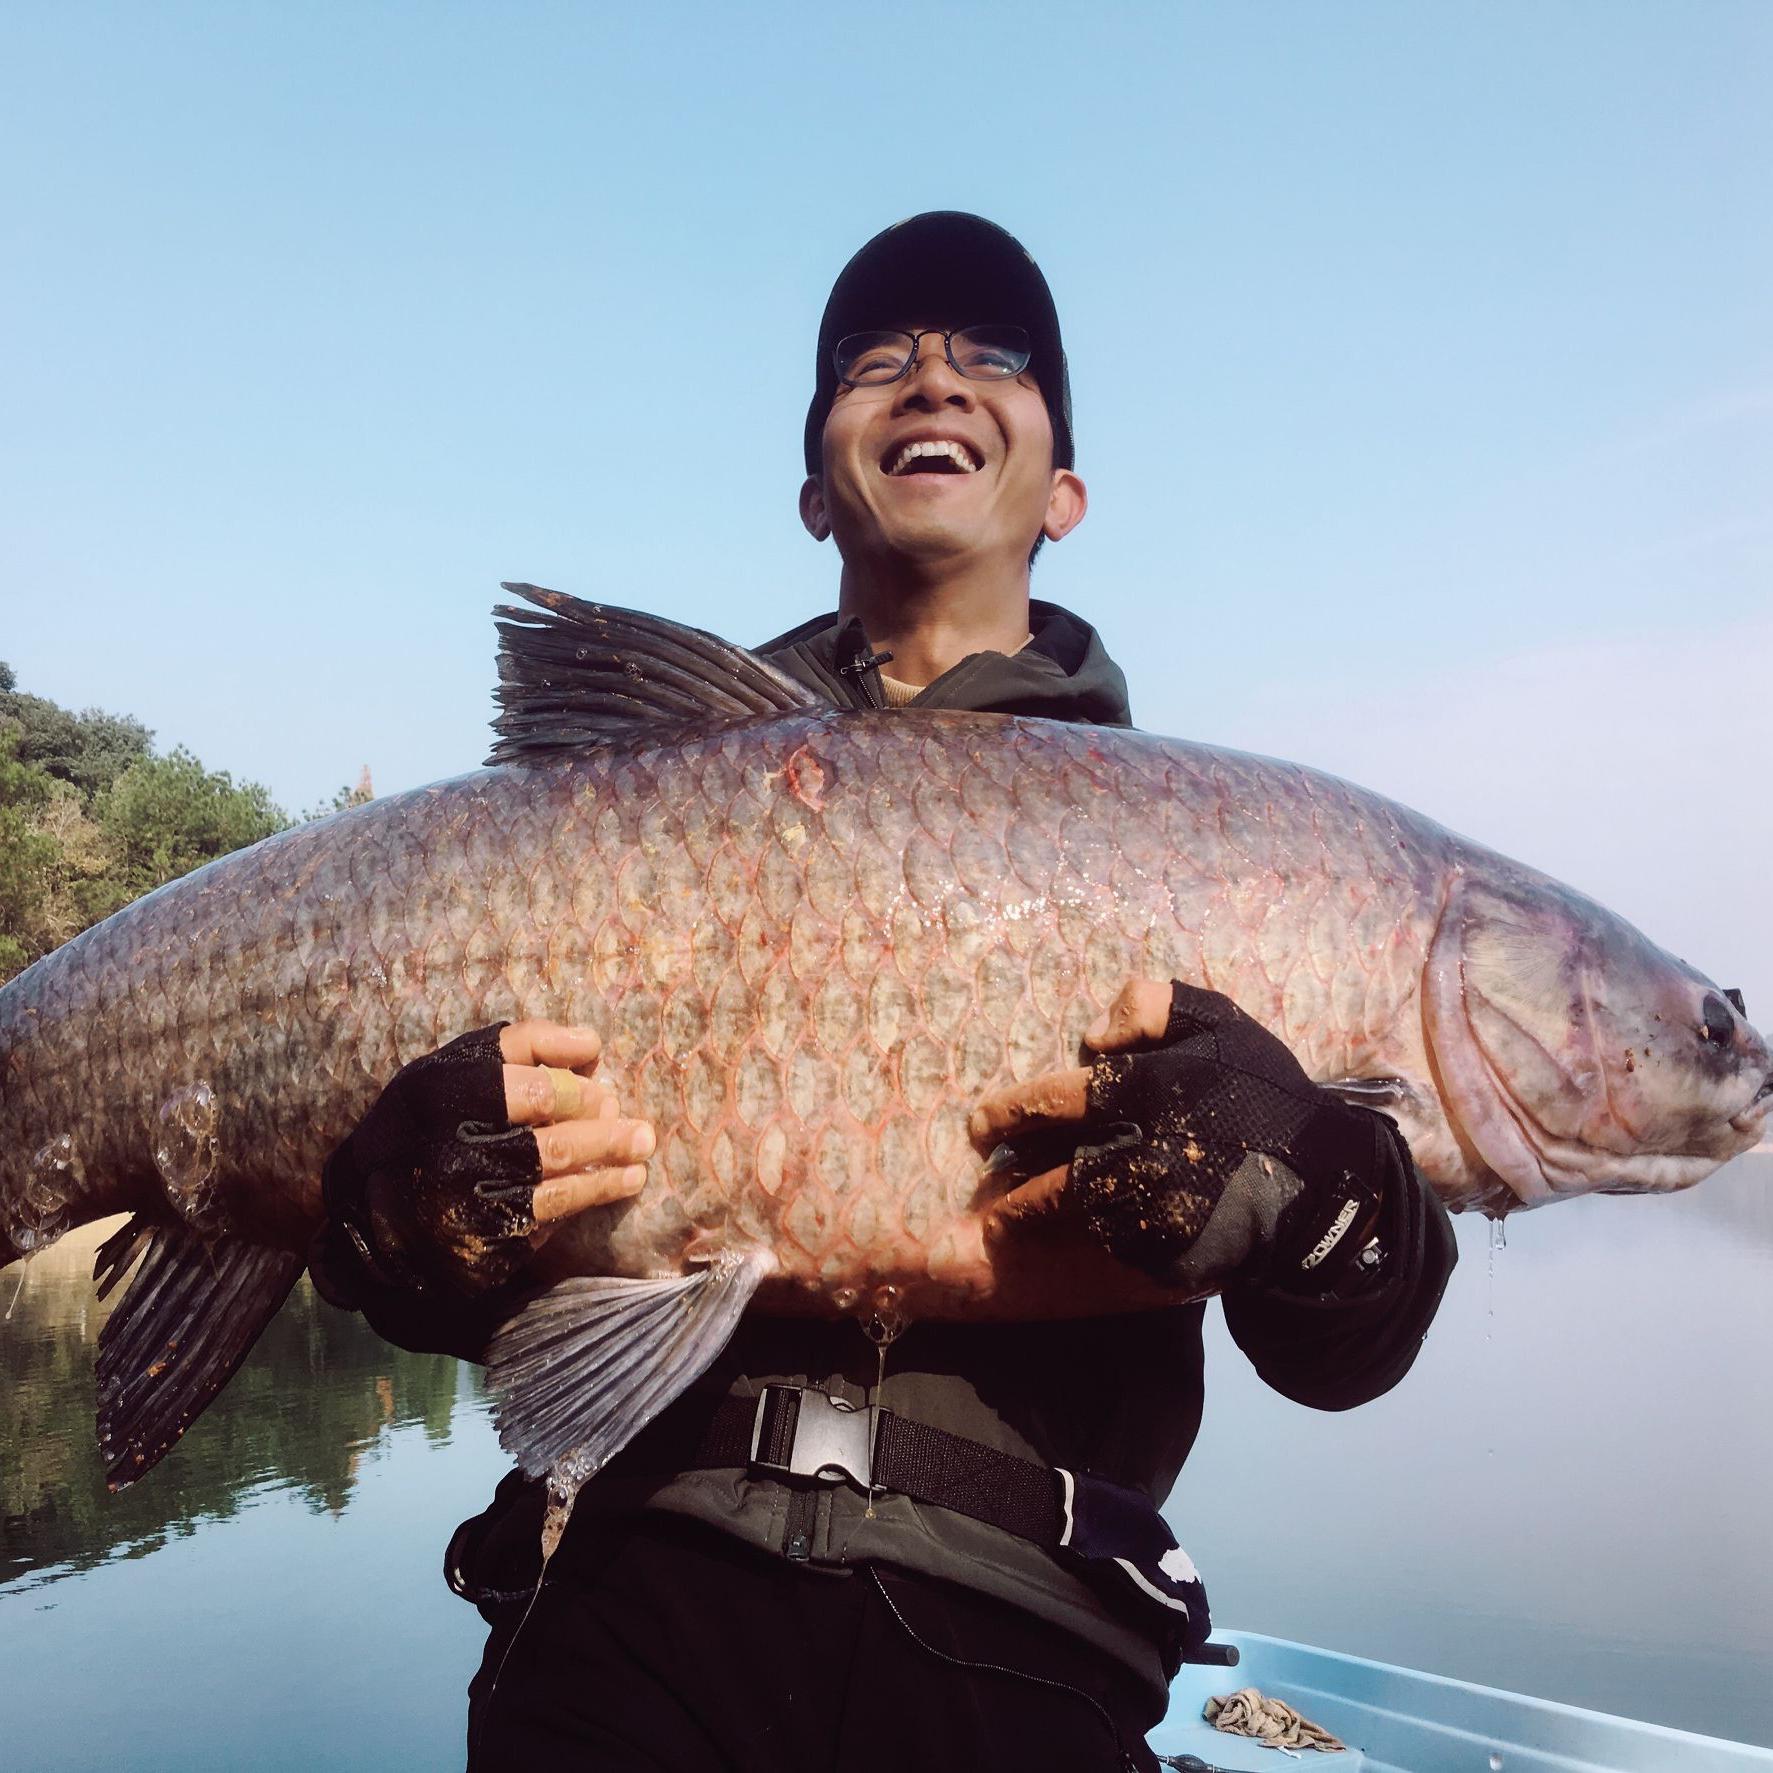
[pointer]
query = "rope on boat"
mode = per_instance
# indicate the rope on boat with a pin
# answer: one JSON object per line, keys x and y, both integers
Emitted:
{"x": 1272, "y": 1722}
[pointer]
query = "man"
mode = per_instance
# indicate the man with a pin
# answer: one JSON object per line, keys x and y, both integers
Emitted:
{"x": 707, "y": 1608}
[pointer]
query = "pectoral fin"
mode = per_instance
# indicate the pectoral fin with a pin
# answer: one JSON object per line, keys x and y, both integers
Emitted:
{"x": 1382, "y": 1093}
{"x": 587, "y": 1364}
{"x": 189, "y": 1316}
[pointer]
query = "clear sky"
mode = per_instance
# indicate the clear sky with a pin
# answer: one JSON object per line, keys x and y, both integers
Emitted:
{"x": 1421, "y": 358}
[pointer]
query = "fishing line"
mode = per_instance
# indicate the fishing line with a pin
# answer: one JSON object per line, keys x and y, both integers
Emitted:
{"x": 1015, "y": 1674}
{"x": 554, "y": 1518}
{"x": 883, "y": 1328}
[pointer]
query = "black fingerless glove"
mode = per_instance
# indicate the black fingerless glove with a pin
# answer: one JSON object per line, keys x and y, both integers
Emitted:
{"x": 1224, "y": 1163}
{"x": 434, "y": 1189}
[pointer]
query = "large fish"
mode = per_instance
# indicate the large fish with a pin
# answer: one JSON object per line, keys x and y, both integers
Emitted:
{"x": 812, "y": 939}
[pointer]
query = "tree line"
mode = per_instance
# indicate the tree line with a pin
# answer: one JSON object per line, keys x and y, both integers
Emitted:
{"x": 92, "y": 816}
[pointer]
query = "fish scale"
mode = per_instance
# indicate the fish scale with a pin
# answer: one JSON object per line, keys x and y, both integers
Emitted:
{"x": 811, "y": 940}
{"x": 810, "y": 945}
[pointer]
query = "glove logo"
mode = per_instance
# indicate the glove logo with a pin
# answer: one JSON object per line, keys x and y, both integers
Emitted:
{"x": 1332, "y": 1237}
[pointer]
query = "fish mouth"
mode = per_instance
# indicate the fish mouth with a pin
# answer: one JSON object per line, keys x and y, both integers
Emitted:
{"x": 1752, "y": 1121}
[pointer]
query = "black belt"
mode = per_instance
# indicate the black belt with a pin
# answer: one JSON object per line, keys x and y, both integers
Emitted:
{"x": 798, "y": 1431}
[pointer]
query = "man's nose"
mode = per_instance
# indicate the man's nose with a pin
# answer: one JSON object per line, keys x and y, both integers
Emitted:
{"x": 931, "y": 381}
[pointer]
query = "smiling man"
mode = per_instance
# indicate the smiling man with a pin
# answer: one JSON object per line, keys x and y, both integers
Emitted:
{"x": 939, "y": 460}
{"x": 998, "y": 1589}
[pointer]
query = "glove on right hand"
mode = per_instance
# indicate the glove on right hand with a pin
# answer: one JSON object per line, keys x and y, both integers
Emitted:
{"x": 1224, "y": 1162}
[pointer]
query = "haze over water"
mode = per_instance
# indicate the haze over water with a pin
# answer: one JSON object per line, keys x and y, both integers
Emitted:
{"x": 1566, "y": 1496}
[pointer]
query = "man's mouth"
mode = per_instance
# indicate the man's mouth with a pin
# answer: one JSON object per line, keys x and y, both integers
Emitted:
{"x": 932, "y": 455}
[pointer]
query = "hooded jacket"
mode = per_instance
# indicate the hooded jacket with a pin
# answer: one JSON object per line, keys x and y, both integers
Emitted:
{"x": 1118, "y": 1396}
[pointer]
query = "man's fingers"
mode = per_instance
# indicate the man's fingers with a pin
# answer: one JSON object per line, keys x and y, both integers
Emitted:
{"x": 538, "y": 1093}
{"x": 571, "y": 1145}
{"x": 590, "y": 1154}
{"x": 562, "y": 1196}
{"x": 549, "y": 1043}
{"x": 1140, "y": 1012}
{"x": 543, "y": 1081}
{"x": 1059, "y": 1095}
{"x": 1040, "y": 1194}
{"x": 588, "y": 1163}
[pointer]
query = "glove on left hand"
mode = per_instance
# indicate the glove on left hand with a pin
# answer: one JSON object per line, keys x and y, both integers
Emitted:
{"x": 1224, "y": 1162}
{"x": 435, "y": 1186}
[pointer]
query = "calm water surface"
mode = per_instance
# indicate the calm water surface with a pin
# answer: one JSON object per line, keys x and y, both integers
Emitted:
{"x": 1567, "y": 1496}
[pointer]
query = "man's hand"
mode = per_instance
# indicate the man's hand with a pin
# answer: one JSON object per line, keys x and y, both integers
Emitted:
{"x": 1201, "y": 1153}
{"x": 588, "y": 1154}
{"x": 462, "y": 1164}
{"x": 1048, "y": 1112}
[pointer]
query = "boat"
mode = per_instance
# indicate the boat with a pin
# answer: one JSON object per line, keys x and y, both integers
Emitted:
{"x": 1401, "y": 1720}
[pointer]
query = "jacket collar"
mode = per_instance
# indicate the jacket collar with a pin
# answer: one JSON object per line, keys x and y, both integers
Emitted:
{"x": 1064, "y": 673}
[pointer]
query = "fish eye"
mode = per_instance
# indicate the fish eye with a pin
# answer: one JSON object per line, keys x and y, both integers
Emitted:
{"x": 1716, "y": 1023}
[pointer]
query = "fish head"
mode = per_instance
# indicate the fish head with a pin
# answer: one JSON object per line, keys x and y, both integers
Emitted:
{"x": 1574, "y": 1056}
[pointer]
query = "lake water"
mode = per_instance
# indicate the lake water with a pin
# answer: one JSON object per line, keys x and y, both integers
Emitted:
{"x": 1567, "y": 1496}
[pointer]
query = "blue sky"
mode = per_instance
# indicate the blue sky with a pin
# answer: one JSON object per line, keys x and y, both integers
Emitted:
{"x": 1421, "y": 359}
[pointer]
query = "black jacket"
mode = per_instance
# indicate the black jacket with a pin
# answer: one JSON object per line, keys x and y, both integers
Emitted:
{"x": 1118, "y": 1396}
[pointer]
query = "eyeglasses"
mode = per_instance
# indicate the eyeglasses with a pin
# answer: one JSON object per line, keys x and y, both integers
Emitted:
{"x": 980, "y": 353}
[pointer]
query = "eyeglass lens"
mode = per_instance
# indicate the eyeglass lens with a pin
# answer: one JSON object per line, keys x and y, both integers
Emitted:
{"x": 983, "y": 353}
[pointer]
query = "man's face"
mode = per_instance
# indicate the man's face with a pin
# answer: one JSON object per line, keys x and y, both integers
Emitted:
{"x": 988, "y": 493}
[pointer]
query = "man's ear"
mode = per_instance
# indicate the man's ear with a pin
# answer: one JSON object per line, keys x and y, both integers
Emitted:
{"x": 812, "y": 508}
{"x": 1067, "y": 502}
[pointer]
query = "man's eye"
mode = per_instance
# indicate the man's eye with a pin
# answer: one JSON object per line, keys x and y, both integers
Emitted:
{"x": 991, "y": 363}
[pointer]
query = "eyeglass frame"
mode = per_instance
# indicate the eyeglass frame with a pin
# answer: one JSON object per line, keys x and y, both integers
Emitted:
{"x": 914, "y": 356}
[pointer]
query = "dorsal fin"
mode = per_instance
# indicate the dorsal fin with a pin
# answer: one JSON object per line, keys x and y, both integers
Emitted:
{"x": 573, "y": 674}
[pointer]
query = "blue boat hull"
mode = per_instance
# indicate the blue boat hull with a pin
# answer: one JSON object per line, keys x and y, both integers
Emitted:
{"x": 1399, "y": 1720}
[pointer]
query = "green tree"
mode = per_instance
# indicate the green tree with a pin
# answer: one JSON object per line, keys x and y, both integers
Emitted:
{"x": 88, "y": 751}
{"x": 27, "y": 858}
{"x": 91, "y": 817}
{"x": 166, "y": 815}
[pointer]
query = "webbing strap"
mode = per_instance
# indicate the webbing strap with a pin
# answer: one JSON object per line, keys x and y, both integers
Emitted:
{"x": 910, "y": 1458}
{"x": 971, "y": 1478}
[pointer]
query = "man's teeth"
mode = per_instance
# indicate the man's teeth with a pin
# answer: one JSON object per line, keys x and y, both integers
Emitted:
{"x": 940, "y": 446}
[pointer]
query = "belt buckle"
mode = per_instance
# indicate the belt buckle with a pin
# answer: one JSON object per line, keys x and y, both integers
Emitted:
{"x": 831, "y": 1437}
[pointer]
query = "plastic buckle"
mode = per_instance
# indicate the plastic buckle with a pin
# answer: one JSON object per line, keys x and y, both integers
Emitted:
{"x": 831, "y": 1437}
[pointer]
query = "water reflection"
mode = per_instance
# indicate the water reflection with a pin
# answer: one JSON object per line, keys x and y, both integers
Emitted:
{"x": 319, "y": 1395}
{"x": 1567, "y": 1496}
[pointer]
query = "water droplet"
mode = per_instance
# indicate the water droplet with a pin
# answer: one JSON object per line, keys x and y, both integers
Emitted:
{"x": 845, "y": 1298}
{"x": 1495, "y": 1763}
{"x": 24, "y": 1268}
{"x": 185, "y": 1152}
{"x": 885, "y": 1319}
{"x": 1490, "y": 1286}
{"x": 46, "y": 1202}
